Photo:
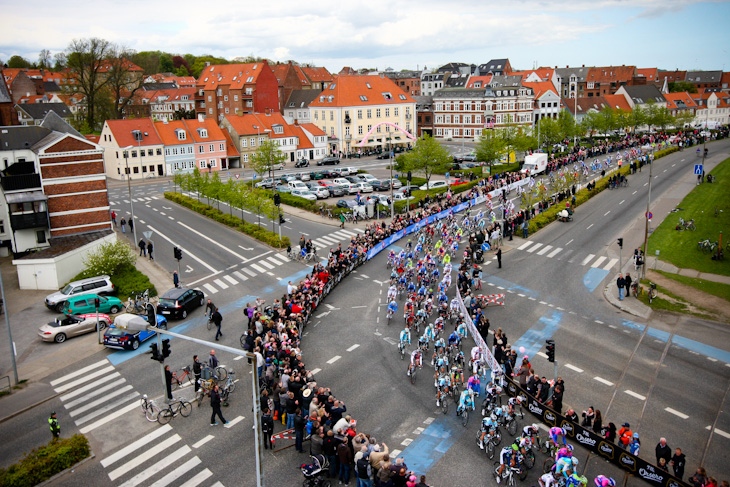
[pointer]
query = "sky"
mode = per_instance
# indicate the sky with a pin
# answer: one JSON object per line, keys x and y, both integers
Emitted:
{"x": 377, "y": 34}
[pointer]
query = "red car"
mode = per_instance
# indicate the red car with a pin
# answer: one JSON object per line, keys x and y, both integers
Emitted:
{"x": 458, "y": 182}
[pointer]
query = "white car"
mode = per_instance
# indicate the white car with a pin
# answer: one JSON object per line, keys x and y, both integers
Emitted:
{"x": 401, "y": 197}
{"x": 278, "y": 166}
{"x": 364, "y": 187}
{"x": 307, "y": 195}
{"x": 342, "y": 181}
{"x": 319, "y": 191}
{"x": 346, "y": 171}
{"x": 396, "y": 183}
{"x": 433, "y": 185}
{"x": 368, "y": 177}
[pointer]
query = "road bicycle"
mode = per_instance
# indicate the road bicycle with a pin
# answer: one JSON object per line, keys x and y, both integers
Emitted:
{"x": 149, "y": 408}
{"x": 176, "y": 407}
{"x": 635, "y": 289}
{"x": 510, "y": 473}
{"x": 204, "y": 390}
{"x": 464, "y": 412}
{"x": 491, "y": 441}
{"x": 218, "y": 374}
{"x": 412, "y": 372}
{"x": 181, "y": 376}
{"x": 652, "y": 292}
{"x": 230, "y": 385}
{"x": 401, "y": 349}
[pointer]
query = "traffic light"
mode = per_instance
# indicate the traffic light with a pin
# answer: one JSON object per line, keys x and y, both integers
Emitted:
{"x": 178, "y": 253}
{"x": 166, "y": 348}
{"x": 277, "y": 199}
{"x": 96, "y": 303}
{"x": 550, "y": 348}
{"x": 156, "y": 353}
{"x": 409, "y": 176}
{"x": 621, "y": 243}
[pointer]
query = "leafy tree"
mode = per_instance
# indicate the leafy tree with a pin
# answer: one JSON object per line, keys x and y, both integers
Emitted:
{"x": 568, "y": 127}
{"x": 181, "y": 63}
{"x": 178, "y": 179}
{"x": 182, "y": 114}
{"x": 267, "y": 156}
{"x": 149, "y": 61}
{"x": 427, "y": 157}
{"x": 635, "y": 119}
{"x": 490, "y": 146}
{"x": 18, "y": 62}
{"x": 261, "y": 205}
{"x": 85, "y": 59}
{"x": 196, "y": 182}
{"x": 683, "y": 118}
{"x": 109, "y": 258}
{"x": 214, "y": 188}
{"x": 166, "y": 64}
{"x": 228, "y": 193}
{"x": 59, "y": 60}
{"x": 681, "y": 86}
{"x": 549, "y": 131}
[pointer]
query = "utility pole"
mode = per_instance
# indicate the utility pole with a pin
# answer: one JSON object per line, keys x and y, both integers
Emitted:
{"x": 620, "y": 248}
{"x": 646, "y": 226}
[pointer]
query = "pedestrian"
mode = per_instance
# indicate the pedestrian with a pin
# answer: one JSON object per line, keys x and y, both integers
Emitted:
{"x": 114, "y": 218}
{"x": 627, "y": 284}
{"x": 175, "y": 279}
{"x": 131, "y": 225}
{"x": 215, "y": 403}
{"x": 168, "y": 382}
{"x": 212, "y": 360}
{"x": 525, "y": 227}
{"x": 423, "y": 483}
{"x": 678, "y": 462}
{"x": 635, "y": 445}
{"x": 55, "y": 427}
{"x": 196, "y": 372}
{"x": 342, "y": 220}
{"x": 150, "y": 249}
{"x": 267, "y": 427}
{"x": 588, "y": 417}
{"x": 558, "y": 399}
{"x": 123, "y": 223}
{"x": 621, "y": 284}
{"x": 624, "y": 436}
{"x": 598, "y": 422}
{"x": 499, "y": 258}
{"x": 344, "y": 455}
{"x": 364, "y": 471}
{"x": 248, "y": 311}
{"x": 300, "y": 423}
{"x": 142, "y": 248}
{"x": 217, "y": 319}
{"x": 663, "y": 451}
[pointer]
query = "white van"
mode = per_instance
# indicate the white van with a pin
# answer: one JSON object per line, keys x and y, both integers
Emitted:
{"x": 535, "y": 164}
{"x": 297, "y": 185}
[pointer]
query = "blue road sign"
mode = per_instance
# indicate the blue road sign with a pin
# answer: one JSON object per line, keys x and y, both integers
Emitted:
{"x": 698, "y": 169}
{"x": 485, "y": 246}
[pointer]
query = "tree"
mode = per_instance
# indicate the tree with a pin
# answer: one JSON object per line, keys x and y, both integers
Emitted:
{"x": 59, "y": 60}
{"x": 18, "y": 62}
{"x": 122, "y": 80}
{"x": 177, "y": 180}
{"x": 681, "y": 86}
{"x": 261, "y": 205}
{"x": 490, "y": 146}
{"x": 182, "y": 114}
{"x": 44, "y": 59}
{"x": 683, "y": 119}
{"x": 267, "y": 155}
{"x": 567, "y": 124}
{"x": 180, "y": 64}
{"x": 108, "y": 258}
{"x": 166, "y": 64}
{"x": 214, "y": 188}
{"x": 427, "y": 157}
{"x": 228, "y": 193}
{"x": 635, "y": 119}
{"x": 85, "y": 59}
{"x": 196, "y": 182}
{"x": 549, "y": 131}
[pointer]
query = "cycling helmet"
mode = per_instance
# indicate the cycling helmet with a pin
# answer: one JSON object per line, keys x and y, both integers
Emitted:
{"x": 515, "y": 447}
{"x": 534, "y": 426}
{"x": 574, "y": 461}
{"x": 611, "y": 482}
{"x": 583, "y": 480}
{"x": 563, "y": 432}
{"x": 569, "y": 447}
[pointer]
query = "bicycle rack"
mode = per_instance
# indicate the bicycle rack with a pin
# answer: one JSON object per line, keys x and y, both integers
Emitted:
{"x": 9, "y": 387}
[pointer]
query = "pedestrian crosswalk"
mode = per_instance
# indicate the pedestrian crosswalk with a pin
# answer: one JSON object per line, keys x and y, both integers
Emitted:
{"x": 558, "y": 253}
{"x": 333, "y": 239}
{"x": 264, "y": 265}
{"x": 97, "y": 395}
{"x": 143, "y": 199}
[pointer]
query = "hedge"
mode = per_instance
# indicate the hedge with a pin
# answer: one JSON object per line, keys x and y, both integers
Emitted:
{"x": 421, "y": 195}
{"x": 127, "y": 280}
{"x": 550, "y": 215}
{"x": 45, "y": 462}
{"x": 250, "y": 229}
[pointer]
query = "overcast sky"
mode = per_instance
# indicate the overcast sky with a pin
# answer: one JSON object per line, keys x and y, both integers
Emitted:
{"x": 668, "y": 34}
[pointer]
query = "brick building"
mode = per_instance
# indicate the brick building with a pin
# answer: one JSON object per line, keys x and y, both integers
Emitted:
{"x": 235, "y": 89}
{"x": 408, "y": 81}
{"x": 606, "y": 80}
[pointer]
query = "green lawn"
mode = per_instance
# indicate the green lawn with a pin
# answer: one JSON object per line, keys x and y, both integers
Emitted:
{"x": 680, "y": 247}
{"x": 715, "y": 288}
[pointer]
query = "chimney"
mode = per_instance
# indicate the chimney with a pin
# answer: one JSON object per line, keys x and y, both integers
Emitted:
{"x": 201, "y": 118}
{"x": 207, "y": 64}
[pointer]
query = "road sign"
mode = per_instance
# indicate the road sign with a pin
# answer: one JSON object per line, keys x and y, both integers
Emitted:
{"x": 698, "y": 169}
{"x": 485, "y": 246}
{"x": 147, "y": 235}
{"x": 650, "y": 215}
{"x": 447, "y": 175}
{"x": 238, "y": 176}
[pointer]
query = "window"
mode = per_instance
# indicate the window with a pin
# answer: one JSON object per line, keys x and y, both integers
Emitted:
{"x": 211, "y": 148}
{"x": 249, "y": 80}
{"x": 316, "y": 117}
{"x": 377, "y": 129}
{"x": 210, "y": 111}
{"x": 210, "y": 98}
{"x": 158, "y": 151}
{"x": 190, "y": 149}
{"x": 225, "y": 98}
{"x": 167, "y": 152}
{"x": 149, "y": 152}
{"x": 370, "y": 113}
{"x": 402, "y": 97}
{"x": 347, "y": 130}
{"x": 226, "y": 109}
{"x": 201, "y": 149}
{"x": 244, "y": 143}
{"x": 363, "y": 98}
{"x": 40, "y": 236}
{"x": 221, "y": 147}
{"x": 174, "y": 151}
{"x": 359, "y": 130}
{"x": 134, "y": 153}
{"x": 203, "y": 132}
{"x": 144, "y": 169}
{"x": 261, "y": 140}
{"x": 135, "y": 170}
{"x": 359, "y": 114}
{"x": 377, "y": 113}
{"x": 395, "y": 111}
{"x": 388, "y": 96}
{"x": 245, "y": 158}
{"x": 332, "y": 115}
{"x": 214, "y": 163}
{"x": 387, "y": 112}
{"x": 202, "y": 165}
{"x": 253, "y": 141}
{"x": 370, "y": 127}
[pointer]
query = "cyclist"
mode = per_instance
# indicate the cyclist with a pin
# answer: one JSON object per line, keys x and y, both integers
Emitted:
{"x": 603, "y": 481}
{"x": 461, "y": 329}
{"x": 457, "y": 374}
{"x": 428, "y": 333}
{"x": 555, "y": 432}
{"x": 513, "y": 402}
{"x": 473, "y": 384}
{"x": 392, "y": 292}
{"x": 530, "y": 431}
{"x": 575, "y": 480}
{"x": 547, "y": 480}
{"x": 443, "y": 385}
{"x": 489, "y": 425}
{"x": 565, "y": 465}
{"x": 565, "y": 452}
{"x": 209, "y": 309}
{"x": 416, "y": 360}
{"x": 392, "y": 308}
{"x": 405, "y": 336}
{"x": 466, "y": 400}
{"x": 454, "y": 339}
{"x": 507, "y": 455}
{"x": 411, "y": 287}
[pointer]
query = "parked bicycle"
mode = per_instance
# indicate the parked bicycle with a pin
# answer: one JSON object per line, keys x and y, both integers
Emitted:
{"x": 652, "y": 292}
{"x": 179, "y": 406}
{"x": 182, "y": 376}
{"x": 149, "y": 408}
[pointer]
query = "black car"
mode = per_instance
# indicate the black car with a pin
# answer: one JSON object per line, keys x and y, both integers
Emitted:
{"x": 302, "y": 163}
{"x": 177, "y": 302}
{"x": 384, "y": 155}
{"x": 328, "y": 161}
{"x": 337, "y": 190}
{"x": 379, "y": 185}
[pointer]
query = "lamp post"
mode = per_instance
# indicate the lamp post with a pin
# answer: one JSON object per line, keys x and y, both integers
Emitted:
{"x": 392, "y": 203}
{"x": 646, "y": 227}
{"x": 129, "y": 190}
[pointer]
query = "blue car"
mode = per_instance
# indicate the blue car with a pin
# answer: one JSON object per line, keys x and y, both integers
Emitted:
{"x": 119, "y": 337}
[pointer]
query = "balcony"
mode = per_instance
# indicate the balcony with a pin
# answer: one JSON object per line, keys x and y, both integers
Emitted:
{"x": 347, "y": 119}
{"x": 20, "y": 182}
{"x": 25, "y": 221}
{"x": 408, "y": 116}
{"x": 348, "y": 137}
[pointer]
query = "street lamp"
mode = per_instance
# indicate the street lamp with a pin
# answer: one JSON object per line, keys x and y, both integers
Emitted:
{"x": 129, "y": 189}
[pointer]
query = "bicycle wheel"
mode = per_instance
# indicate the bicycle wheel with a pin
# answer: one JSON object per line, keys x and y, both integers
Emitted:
{"x": 165, "y": 416}
{"x": 444, "y": 405}
{"x": 464, "y": 418}
{"x": 497, "y": 438}
{"x": 151, "y": 413}
{"x": 402, "y": 353}
{"x": 512, "y": 426}
{"x": 490, "y": 449}
{"x": 413, "y": 375}
{"x": 221, "y": 373}
{"x": 210, "y": 325}
{"x": 243, "y": 340}
{"x": 143, "y": 403}
{"x": 175, "y": 382}
{"x": 185, "y": 409}
{"x": 522, "y": 474}
{"x": 548, "y": 464}
{"x": 529, "y": 459}
{"x": 455, "y": 396}
{"x": 511, "y": 479}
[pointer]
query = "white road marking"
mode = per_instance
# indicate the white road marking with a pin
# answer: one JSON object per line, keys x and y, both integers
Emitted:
{"x": 589, "y": 226}
{"x": 79, "y": 372}
{"x": 207, "y": 438}
{"x": 587, "y": 259}
{"x": 157, "y": 467}
{"x": 646, "y": 184}
{"x": 573, "y": 367}
{"x": 316, "y": 371}
{"x": 634, "y": 192}
{"x": 676, "y": 413}
{"x": 258, "y": 268}
{"x": 543, "y": 302}
{"x": 635, "y": 394}
{"x": 554, "y": 252}
{"x": 238, "y": 357}
{"x": 621, "y": 202}
{"x": 119, "y": 454}
{"x": 249, "y": 271}
{"x": 110, "y": 417}
{"x": 568, "y": 242}
{"x": 521, "y": 295}
{"x": 601, "y": 322}
{"x": 546, "y": 249}
{"x": 542, "y": 354}
{"x": 189, "y": 254}
{"x": 599, "y": 261}
{"x": 214, "y": 242}
{"x": 233, "y": 422}
{"x": 395, "y": 453}
{"x": 353, "y": 347}
{"x": 211, "y": 289}
{"x": 418, "y": 430}
{"x": 610, "y": 264}
{"x": 231, "y": 280}
{"x": 712, "y": 359}
{"x": 429, "y": 420}
{"x": 334, "y": 359}
{"x": 89, "y": 386}
{"x": 86, "y": 378}
{"x": 719, "y": 432}
{"x": 406, "y": 442}
{"x": 525, "y": 245}
{"x": 535, "y": 247}
{"x": 178, "y": 472}
{"x": 603, "y": 381}
{"x": 605, "y": 214}
{"x": 221, "y": 284}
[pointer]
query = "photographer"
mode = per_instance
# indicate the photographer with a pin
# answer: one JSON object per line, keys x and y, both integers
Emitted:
{"x": 588, "y": 417}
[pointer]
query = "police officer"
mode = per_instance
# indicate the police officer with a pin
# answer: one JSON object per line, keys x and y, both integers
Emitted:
{"x": 53, "y": 423}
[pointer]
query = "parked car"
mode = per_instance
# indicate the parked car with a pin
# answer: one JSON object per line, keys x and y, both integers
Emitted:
{"x": 328, "y": 161}
{"x": 350, "y": 204}
{"x": 458, "y": 182}
{"x": 433, "y": 185}
{"x": 64, "y": 326}
{"x": 96, "y": 285}
{"x": 364, "y": 187}
{"x": 335, "y": 189}
{"x": 303, "y": 176}
{"x": 342, "y": 181}
{"x": 306, "y": 194}
{"x": 356, "y": 179}
{"x": 297, "y": 185}
{"x": 278, "y": 167}
{"x": 120, "y": 337}
{"x": 317, "y": 175}
{"x": 78, "y": 305}
{"x": 402, "y": 197}
{"x": 408, "y": 189}
{"x": 302, "y": 162}
{"x": 266, "y": 183}
{"x": 379, "y": 198}
{"x": 318, "y": 190}
{"x": 384, "y": 155}
{"x": 380, "y": 185}
{"x": 396, "y": 183}
{"x": 367, "y": 177}
{"x": 179, "y": 301}
{"x": 283, "y": 188}
{"x": 347, "y": 171}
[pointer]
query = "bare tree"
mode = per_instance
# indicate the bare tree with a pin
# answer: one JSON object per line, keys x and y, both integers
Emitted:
{"x": 44, "y": 59}
{"x": 86, "y": 60}
{"x": 123, "y": 77}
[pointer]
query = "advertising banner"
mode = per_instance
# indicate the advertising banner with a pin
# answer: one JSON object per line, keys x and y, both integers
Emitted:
{"x": 483, "y": 348}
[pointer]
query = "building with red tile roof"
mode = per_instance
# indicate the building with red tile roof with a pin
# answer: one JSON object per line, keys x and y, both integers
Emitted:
{"x": 650, "y": 76}
{"x": 288, "y": 80}
{"x": 210, "y": 144}
{"x": 179, "y": 146}
{"x": 164, "y": 103}
{"x": 364, "y": 111}
{"x": 681, "y": 103}
{"x": 606, "y": 80}
{"x": 230, "y": 89}
{"x": 476, "y": 82}
{"x": 713, "y": 109}
{"x": 318, "y": 77}
{"x": 132, "y": 147}
{"x": 618, "y": 102}
{"x": 547, "y": 100}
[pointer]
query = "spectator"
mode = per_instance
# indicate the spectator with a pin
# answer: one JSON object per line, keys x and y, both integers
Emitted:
{"x": 663, "y": 451}
{"x": 624, "y": 436}
{"x": 329, "y": 448}
{"x": 588, "y": 416}
{"x": 344, "y": 455}
{"x": 299, "y": 424}
{"x": 558, "y": 399}
{"x": 267, "y": 427}
{"x": 598, "y": 422}
{"x": 364, "y": 471}
{"x": 699, "y": 479}
{"x": 678, "y": 462}
{"x": 611, "y": 432}
{"x": 571, "y": 416}
{"x": 635, "y": 445}
{"x": 423, "y": 483}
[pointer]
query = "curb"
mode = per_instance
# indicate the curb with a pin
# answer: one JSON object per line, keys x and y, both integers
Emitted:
{"x": 28, "y": 408}
{"x": 69, "y": 469}
{"x": 625, "y": 309}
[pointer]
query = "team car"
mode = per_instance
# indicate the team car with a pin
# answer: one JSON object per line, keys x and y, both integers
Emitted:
{"x": 120, "y": 337}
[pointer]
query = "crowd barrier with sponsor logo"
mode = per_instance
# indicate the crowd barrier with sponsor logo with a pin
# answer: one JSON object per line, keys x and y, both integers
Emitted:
{"x": 596, "y": 444}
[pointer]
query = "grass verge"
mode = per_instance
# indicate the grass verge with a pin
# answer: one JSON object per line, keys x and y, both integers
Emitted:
{"x": 718, "y": 289}
{"x": 680, "y": 247}
{"x": 45, "y": 462}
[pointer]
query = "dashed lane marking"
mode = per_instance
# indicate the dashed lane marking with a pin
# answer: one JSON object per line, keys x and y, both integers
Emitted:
{"x": 418, "y": 431}
{"x": 211, "y": 289}
{"x": 542, "y": 354}
{"x": 234, "y": 421}
{"x": 554, "y": 252}
{"x": 606, "y": 214}
{"x": 203, "y": 441}
{"x": 635, "y": 394}
{"x": 573, "y": 367}
{"x": 676, "y": 413}
{"x": 589, "y": 226}
{"x": 334, "y": 359}
{"x": 353, "y": 347}
{"x": 429, "y": 420}
{"x": 544, "y": 250}
{"x": 316, "y": 371}
{"x": 407, "y": 441}
{"x": 719, "y": 432}
{"x": 621, "y": 202}
{"x": 603, "y": 381}
{"x": 599, "y": 322}
{"x": 395, "y": 453}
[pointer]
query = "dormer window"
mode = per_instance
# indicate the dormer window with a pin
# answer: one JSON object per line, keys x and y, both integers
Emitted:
{"x": 387, "y": 96}
{"x": 332, "y": 87}
{"x": 249, "y": 79}
{"x": 203, "y": 133}
{"x": 181, "y": 135}
{"x": 278, "y": 129}
{"x": 330, "y": 98}
{"x": 363, "y": 98}
{"x": 321, "y": 99}
{"x": 402, "y": 97}
{"x": 370, "y": 87}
